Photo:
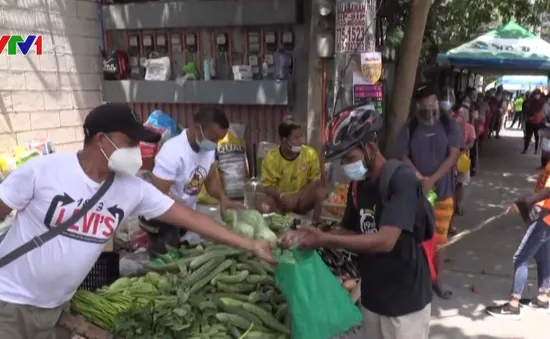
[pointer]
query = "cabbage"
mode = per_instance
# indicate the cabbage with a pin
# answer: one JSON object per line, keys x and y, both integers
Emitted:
{"x": 254, "y": 218}
{"x": 266, "y": 234}
{"x": 260, "y": 230}
{"x": 245, "y": 229}
{"x": 230, "y": 218}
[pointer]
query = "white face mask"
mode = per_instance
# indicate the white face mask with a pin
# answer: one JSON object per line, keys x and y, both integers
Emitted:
{"x": 296, "y": 149}
{"x": 124, "y": 160}
{"x": 356, "y": 170}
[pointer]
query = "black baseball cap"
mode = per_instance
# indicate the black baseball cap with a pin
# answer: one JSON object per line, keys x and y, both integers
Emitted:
{"x": 425, "y": 90}
{"x": 117, "y": 117}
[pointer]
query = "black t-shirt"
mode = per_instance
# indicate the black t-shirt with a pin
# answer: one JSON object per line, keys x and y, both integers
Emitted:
{"x": 399, "y": 282}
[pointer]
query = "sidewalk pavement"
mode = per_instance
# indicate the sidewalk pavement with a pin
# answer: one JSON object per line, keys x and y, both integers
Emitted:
{"x": 480, "y": 266}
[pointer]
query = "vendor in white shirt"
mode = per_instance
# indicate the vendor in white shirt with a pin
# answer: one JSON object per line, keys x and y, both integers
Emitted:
{"x": 187, "y": 162}
{"x": 36, "y": 288}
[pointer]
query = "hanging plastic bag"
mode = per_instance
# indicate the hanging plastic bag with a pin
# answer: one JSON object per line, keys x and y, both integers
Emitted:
{"x": 320, "y": 307}
{"x": 157, "y": 69}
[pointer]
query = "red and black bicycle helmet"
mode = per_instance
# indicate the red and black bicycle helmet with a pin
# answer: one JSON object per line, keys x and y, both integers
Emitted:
{"x": 348, "y": 128}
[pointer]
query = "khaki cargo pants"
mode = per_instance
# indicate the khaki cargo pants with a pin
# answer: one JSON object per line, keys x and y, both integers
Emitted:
{"x": 411, "y": 326}
{"x": 29, "y": 322}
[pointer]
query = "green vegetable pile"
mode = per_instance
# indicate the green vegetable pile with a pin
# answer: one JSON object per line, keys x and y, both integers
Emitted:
{"x": 252, "y": 224}
{"x": 214, "y": 292}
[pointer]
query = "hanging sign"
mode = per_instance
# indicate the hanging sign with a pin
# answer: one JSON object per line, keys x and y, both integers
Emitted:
{"x": 354, "y": 26}
{"x": 371, "y": 66}
{"x": 368, "y": 94}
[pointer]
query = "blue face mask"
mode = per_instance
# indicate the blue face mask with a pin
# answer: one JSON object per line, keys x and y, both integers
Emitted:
{"x": 206, "y": 145}
{"x": 356, "y": 170}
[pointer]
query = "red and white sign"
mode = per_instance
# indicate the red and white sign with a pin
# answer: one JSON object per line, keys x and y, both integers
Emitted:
{"x": 353, "y": 26}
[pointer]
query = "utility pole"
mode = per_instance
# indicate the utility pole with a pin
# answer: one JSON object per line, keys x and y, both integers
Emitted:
{"x": 407, "y": 65}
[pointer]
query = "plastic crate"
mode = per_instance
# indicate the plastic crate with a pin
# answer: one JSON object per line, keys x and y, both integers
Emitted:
{"x": 105, "y": 272}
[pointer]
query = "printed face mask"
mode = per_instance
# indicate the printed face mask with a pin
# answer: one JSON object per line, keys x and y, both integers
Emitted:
{"x": 356, "y": 170}
{"x": 125, "y": 160}
{"x": 206, "y": 145}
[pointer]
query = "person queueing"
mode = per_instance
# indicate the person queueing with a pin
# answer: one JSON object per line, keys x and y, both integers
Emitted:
{"x": 545, "y": 134}
{"x": 291, "y": 174}
{"x": 463, "y": 178}
{"x": 46, "y": 191}
{"x": 430, "y": 143}
{"x": 396, "y": 289}
{"x": 533, "y": 120}
{"x": 496, "y": 104}
{"x": 484, "y": 118}
{"x": 534, "y": 245}
{"x": 476, "y": 120}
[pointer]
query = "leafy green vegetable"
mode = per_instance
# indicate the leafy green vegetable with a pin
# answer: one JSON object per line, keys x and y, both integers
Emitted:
{"x": 252, "y": 217}
{"x": 192, "y": 303}
{"x": 266, "y": 234}
{"x": 245, "y": 229}
{"x": 230, "y": 218}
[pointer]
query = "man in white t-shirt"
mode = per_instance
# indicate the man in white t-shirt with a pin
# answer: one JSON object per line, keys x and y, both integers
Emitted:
{"x": 187, "y": 162}
{"x": 35, "y": 288}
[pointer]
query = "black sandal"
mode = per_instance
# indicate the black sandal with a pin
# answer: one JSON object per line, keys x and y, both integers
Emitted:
{"x": 442, "y": 292}
{"x": 453, "y": 231}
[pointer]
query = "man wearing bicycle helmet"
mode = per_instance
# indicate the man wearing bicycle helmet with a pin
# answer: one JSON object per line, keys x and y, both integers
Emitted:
{"x": 396, "y": 291}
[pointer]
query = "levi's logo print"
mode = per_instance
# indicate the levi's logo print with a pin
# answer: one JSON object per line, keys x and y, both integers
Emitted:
{"x": 367, "y": 220}
{"x": 96, "y": 226}
{"x": 196, "y": 179}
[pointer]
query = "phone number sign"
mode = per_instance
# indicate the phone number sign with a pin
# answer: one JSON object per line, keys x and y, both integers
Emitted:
{"x": 354, "y": 31}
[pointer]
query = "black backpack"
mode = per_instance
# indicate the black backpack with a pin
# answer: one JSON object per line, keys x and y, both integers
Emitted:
{"x": 424, "y": 225}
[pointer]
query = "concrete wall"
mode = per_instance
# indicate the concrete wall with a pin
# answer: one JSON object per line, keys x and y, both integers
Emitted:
{"x": 48, "y": 95}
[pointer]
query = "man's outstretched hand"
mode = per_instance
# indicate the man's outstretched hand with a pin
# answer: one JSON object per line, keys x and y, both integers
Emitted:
{"x": 226, "y": 203}
{"x": 262, "y": 250}
{"x": 308, "y": 237}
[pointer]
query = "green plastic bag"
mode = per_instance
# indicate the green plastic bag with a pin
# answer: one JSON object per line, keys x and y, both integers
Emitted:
{"x": 432, "y": 197}
{"x": 319, "y": 305}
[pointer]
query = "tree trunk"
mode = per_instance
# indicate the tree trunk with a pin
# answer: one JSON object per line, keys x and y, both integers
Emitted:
{"x": 407, "y": 65}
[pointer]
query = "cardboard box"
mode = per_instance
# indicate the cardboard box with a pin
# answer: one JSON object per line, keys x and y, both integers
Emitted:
{"x": 82, "y": 328}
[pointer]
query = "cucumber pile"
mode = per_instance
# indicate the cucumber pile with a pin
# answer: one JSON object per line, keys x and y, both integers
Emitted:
{"x": 214, "y": 292}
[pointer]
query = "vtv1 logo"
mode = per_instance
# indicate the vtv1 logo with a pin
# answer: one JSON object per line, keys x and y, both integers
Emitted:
{"x": 15, "y": 42}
